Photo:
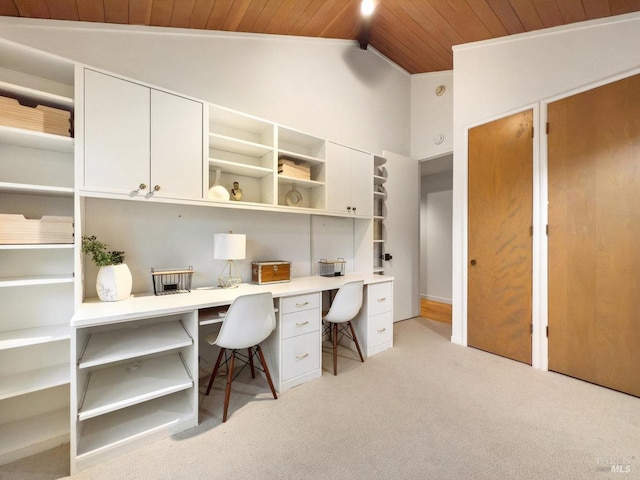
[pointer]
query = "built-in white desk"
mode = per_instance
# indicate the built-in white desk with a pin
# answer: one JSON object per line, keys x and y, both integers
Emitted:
{"x": 134, "y": 377}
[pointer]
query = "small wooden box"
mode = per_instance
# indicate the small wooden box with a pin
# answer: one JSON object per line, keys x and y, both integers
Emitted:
{"x": 40, "y": 118}
{"x": 15, "y": 229}
{"x": 277, "y": 271}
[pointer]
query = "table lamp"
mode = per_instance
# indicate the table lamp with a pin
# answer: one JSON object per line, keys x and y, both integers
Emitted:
{"x": 229, "y": 246}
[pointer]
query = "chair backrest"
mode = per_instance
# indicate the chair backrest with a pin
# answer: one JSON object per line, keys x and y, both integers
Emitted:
{"x": 347, "y": 302}
{"x": 249, "y": 320}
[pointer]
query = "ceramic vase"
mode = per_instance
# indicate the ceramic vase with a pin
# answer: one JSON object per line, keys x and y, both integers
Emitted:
{"x": 114, "y": 283}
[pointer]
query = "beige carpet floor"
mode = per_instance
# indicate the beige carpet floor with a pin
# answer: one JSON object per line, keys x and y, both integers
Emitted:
{"x": 426, "y": 409}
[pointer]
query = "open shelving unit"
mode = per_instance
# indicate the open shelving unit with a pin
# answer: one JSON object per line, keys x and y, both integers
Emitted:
{"x": 379, "y": 213}
{"x": 134, "y": 383}
{"x": 36, "y": 287}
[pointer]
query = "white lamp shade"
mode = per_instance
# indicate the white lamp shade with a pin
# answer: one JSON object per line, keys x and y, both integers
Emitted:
{"x": 229, "y": 246}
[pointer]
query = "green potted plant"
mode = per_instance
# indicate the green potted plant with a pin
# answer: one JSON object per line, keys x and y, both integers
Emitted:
{"x": 114, "y": 281}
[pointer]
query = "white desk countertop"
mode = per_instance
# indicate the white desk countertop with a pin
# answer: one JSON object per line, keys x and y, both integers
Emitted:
{"x": 93, "y": 311}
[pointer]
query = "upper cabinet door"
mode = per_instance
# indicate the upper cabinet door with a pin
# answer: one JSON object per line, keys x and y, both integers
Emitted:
{"x": 362, "y": 183}
{"x": 338, "y": 176}
{"x": 176, "y": 146}
{"x": 116, "y": 135}
{"x": 349, "y": 181}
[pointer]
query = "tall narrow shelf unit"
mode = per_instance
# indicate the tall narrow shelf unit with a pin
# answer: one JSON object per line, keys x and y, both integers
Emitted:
{"x": 379, "y": 213}
{"x": 37, "y": 280}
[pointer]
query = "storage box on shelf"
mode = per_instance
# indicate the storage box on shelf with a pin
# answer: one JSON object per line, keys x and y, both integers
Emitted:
{"x": 36, "y": 288}
{"x": 299, "y": 153}
{"x": 153, "y": 361}
{"x": 39, "y": 118}
{"x": 242, "y": 148}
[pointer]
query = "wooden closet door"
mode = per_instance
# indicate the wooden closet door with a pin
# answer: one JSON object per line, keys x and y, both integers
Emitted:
{"x": 500, "y": 241}
{"x": 594, "y": 235}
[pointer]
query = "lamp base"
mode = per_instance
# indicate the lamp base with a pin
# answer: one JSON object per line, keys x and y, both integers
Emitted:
{"x": 229, "y": 282}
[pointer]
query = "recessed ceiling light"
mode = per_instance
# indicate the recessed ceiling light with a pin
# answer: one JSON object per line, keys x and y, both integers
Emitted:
{"x": 367, "y": 7}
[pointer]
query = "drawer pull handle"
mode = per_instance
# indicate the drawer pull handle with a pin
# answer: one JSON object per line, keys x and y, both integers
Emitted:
{"x": 382, "y": 299}
{"x": 300, "y": 357}
{"x": 302, "y": 324}
{"x": 303, "y": 304}
{"x": 380, "y": 330}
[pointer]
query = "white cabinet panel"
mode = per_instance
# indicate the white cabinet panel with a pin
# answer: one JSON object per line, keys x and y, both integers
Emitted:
{"x": 176, "y": 146}
{"x": 140, "y": 141}
{"x": 349, "y": 180}
{"x": 116, "y": 134}
{"x": 300, "y": 355}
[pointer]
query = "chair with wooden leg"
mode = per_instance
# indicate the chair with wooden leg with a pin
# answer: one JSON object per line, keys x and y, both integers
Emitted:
{"x": 344, "y": 308}
{"x": 249, "y": 321}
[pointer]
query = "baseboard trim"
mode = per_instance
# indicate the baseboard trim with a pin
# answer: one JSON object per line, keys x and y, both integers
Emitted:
{"x": 438, "y": 311}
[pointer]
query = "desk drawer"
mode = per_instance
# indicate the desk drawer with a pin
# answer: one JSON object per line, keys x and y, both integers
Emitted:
{"x": 300, "y": 355}
{"x": 380, "y": 329}
{"x": 379, "y": 298}
{"x": 299, "y": 323}
{"x": 300, "y": 302}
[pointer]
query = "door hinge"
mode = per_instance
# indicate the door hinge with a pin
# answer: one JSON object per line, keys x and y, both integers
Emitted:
{"x": 547, "y": 331}
{"x": 547, "y": 229}
{"x": 533, "y": 132}
{"x": 531, "y": 328}
{"x": 531, "y": 230}
{"x": 547, "y": 128}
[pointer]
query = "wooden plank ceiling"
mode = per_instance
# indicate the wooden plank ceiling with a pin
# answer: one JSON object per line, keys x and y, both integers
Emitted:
{"x": 417, "y": 35}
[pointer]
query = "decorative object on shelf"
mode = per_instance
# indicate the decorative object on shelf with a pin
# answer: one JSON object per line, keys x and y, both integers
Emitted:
{"x": 236, "y": 191}
{"x": 331, "y": 268}
{"x": 114, "y": 280}
{"x": 218, "y": 192}
{"x": 167, "y": 282}
{"x": 293, "y": 196}
{"x": 229, "y": 246}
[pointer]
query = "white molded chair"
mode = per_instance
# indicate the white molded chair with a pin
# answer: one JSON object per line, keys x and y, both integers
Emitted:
{"x": 344, "y": 308}
{"x": 248, "y": 322}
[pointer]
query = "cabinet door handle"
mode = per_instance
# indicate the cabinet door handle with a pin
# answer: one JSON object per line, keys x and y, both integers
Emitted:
{"x": 303, "y": 304}
{"x": 348, "y": 209}
{"x": 380, "y": 330}
{"x": 143, "y": 186}
{"x": 354, "y": 209}
{"x": 300, "y": 357}
{"x": 382, "y": 299}
{"x": 302, "y": 324}
{"x": 156, "y": 188}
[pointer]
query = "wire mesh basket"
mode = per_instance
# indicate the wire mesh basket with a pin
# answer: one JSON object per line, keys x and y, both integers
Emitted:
{"x": 167, "y": 282}
{"x": 331, "y": 268}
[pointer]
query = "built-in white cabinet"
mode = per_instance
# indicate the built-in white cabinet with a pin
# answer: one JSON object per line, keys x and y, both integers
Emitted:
{"x": 135, "y": 380}
{"x": 349, "y": 174}
{"x": 141, "y": 141}
{"x": 36, "y": 279}
{"x": 374, "y": 324}
{"x": 294, "y": 351}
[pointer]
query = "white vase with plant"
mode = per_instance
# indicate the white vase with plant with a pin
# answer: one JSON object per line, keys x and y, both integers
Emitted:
{"x": 114, "y": 281}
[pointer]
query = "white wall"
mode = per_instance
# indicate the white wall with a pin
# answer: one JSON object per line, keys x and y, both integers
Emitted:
{"x": 436, "y": 201}
{"x": 431, "y": 114}
{"x": 328, "y": 88}
{"x": 495, "y": 78}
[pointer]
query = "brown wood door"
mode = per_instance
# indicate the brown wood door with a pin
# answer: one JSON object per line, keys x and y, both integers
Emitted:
{"x": 594, "y": 235}
{"x": 500, "y": 240}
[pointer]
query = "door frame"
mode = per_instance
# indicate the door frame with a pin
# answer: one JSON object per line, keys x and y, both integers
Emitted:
{"x": 461, "y": 256}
